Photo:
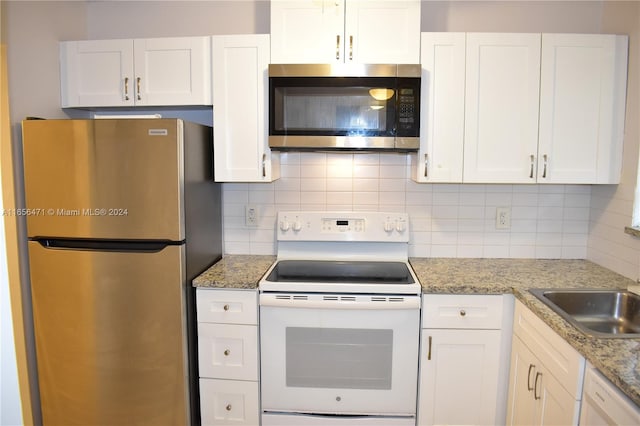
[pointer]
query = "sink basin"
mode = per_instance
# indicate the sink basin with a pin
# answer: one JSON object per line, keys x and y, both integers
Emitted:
{"x": 598, "y": 313}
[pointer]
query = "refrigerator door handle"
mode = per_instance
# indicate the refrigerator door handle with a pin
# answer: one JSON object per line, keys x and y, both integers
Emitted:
{"x": 106, "y": 245}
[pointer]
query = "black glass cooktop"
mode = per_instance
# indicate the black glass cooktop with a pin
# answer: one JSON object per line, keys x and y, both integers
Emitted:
{"x": 329, "y": 271}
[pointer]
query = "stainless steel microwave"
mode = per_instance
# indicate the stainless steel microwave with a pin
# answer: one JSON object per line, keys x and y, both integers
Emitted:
{"x": 344, "y": 107}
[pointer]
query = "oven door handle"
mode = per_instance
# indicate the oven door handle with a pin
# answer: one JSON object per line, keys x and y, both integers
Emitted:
{"x": 353, "y": 302}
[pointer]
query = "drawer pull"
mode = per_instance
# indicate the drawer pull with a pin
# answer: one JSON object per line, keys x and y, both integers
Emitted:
{"x": 463, "y": 312}
{"x": 529, "y": 388}
{"x": 536, "y": 396}
{"x": 225, "y": 307}
{"x": 228, "y": 407}
{"x": 227, "y": 352}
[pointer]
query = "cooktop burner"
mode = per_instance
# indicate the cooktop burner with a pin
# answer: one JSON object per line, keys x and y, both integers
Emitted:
{"x": 317, "y": 271}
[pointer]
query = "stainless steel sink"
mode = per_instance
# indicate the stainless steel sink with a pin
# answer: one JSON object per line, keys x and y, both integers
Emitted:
{"x": 598, "y": 313}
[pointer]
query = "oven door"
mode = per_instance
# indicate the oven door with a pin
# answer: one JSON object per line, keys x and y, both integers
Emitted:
{"x": 339, "y": 354}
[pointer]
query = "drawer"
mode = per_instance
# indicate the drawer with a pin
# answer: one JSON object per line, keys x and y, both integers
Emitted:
{"x": 229, "y": 402}
{"x": 558, "y": 357}
{"x": 228, "y": 351}
{"x": 462, "y": 311}
{"x": 227, "y": 306}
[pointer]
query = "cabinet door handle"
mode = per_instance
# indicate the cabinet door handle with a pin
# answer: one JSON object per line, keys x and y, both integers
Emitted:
{"x": 338, "y": 47}
{"x": 531, "y": 367}
{"x": 544, "y": 169}
{"x": 426, "y": 165}
{"x": 535, "y": 390}
{"x": 264, "y": 165}
{"x": 227, "y": 352}
{"x": 429, "y": 351}
{"x": 463, "y": 312}
{"x": 138, "y": 88}
{"x": 531, "y": 172}
{"x": 351, "y": 48}
{"x": 228, "y": 407}
{"x": 126, "y": 88}
{"x": 225, "y": 307}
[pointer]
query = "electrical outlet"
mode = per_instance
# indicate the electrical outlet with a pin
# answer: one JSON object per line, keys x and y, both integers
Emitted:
{"x": 503, "y": 217}
{"x": 251, "y": 215}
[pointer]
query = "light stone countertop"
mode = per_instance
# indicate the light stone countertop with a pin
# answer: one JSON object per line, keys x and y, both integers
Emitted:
{"x": 617, "y": 359}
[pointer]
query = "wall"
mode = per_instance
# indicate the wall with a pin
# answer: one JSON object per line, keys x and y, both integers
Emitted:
{"x": 612, "y": 206}
{"x": 548, "y": 221}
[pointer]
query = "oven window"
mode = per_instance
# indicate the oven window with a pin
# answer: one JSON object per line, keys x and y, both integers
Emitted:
{"x": 343, "y": 358}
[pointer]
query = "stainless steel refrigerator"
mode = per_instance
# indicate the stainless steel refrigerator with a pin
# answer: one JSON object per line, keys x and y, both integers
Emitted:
{"x": 121, "y": 215}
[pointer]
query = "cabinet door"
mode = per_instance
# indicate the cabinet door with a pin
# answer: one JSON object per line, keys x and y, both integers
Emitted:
{"x": 582, "y": 104}
{"x": 554, "y": 405}
{"x": 439, "y": 158}
{"x": 307, "y": 31}
{"x": 521, "y": 403}
{"x": 501, "y": 107}
{"x": 96, "y": 73}
{"x": 173, "y": 71}
{"x": 228, "y": 351}
{"x": 382, "y": 32}
{"x": 240, "y": 127}
{"x": 459, "y": 368}
{"x": 229, "y": 402}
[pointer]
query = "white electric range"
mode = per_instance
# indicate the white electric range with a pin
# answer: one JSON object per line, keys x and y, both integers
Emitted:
{"x": 339, "y": 321}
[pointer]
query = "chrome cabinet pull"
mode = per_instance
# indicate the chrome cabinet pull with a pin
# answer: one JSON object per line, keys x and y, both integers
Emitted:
{"x": 463, "y": 312}
{"x": 429, "y": 352}
{"x": 138, "y": 88}
{"x": 544, "y": 170}
{"x": 351, "y": 48}
{"x": 531, "y": 172}
{"x": 529, "y": 388}
{"x": 126, "y": 88}
{"x": 338, "y": 47}
{"x": 228, "y": 407}
{"x": 264, "y": 165}
{"x": 227, "y": 352}
{"x": 426, "y": 165}
{"x": 535, "y": 390}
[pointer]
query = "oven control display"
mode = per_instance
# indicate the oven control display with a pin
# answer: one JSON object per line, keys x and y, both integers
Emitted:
{"x": 342, "y": 225}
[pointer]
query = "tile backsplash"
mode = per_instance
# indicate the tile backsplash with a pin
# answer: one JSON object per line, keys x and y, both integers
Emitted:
{"x": 446, "y": 220}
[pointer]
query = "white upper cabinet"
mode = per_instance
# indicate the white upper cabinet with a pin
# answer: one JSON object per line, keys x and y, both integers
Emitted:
{"x": 240, "y": 120}
{"x": 582, "y": 105}
{"x": 439, "y": 158}
{"x": 150, "y": 72}
{"x": 501, "y": 107}
{"x": 336, "y": 31}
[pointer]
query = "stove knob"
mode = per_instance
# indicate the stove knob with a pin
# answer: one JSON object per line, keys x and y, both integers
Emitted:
{"x": 284, "y": 226}
{"x": 297, "y": 226}
{"x": 388, "y": 226}
{"x": 401, "y": 226}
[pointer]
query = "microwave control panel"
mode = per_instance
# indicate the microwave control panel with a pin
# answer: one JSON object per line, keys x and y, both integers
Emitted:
{"x": 408, "y": 110}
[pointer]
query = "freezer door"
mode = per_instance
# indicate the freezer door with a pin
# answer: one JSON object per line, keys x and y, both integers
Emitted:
{"x": 110, "y": 341}
{"x": 117, "y": 179}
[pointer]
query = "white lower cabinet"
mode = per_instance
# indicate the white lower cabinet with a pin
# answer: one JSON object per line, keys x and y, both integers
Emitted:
{"x": 465, "y": 343}
{"x": 546, "y": 376}
{"x": 228, "y": 356}
{"x": 229, "y": 402}
{"x": 604, "y": 404}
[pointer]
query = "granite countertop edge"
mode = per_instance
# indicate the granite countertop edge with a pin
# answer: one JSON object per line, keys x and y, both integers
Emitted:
{"x": 617, "y": 359}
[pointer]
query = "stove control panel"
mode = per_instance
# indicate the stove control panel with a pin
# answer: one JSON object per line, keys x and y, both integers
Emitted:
{"x": 343, "y": 226}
